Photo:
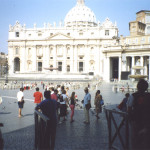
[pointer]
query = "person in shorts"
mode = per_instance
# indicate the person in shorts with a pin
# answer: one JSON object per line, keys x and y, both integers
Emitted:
{"x": 20, "y": 98}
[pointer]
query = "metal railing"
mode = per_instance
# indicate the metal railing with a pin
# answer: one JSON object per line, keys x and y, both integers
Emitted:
{"x": 116, "y": 121}
{"x": 1, "y": 138}
{"x": 41, "y": 123}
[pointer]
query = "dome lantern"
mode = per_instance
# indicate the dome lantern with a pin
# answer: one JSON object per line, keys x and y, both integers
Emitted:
{"x": 80, "y": 16}
{"x": 80, "y": 2}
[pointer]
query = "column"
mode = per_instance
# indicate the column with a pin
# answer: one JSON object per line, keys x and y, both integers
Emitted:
{"x": 124, "y": 62}
{"x": 64, "y": 70}
{"x": 106, "y": 69}
{"x": 55, "y": 58}
{"x": 141, "y": 60}
{"x": 23, "y": 59}
{"x": 120, "y": 63}
{"x": 46, "y": 58}
{"x": 145, "y": 66}
{"x": 133, "y": 63}
{"x": 75, "y": 59}
{"x": 97, "y": 60}
{"x": 34, "y": 56}
{"x": 86, "y": 59}
{"x": 43, "y": 58}
{"x": 71, "y": 59}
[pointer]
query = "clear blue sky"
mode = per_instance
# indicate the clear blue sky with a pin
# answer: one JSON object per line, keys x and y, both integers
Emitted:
{"x": 39, "y": 11}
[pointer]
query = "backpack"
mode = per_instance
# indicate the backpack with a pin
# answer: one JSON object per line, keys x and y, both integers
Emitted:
{"x": 140, "y": 113}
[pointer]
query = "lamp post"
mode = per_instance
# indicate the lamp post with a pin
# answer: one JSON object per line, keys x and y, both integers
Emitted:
{"x": 6, "y": 72}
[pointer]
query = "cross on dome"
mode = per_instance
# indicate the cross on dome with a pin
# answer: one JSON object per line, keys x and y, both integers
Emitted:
{"x": 80, "y": 2}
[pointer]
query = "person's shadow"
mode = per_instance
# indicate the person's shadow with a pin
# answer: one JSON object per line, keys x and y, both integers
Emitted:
{"x": 28, "y": 115}
{"x": 5, "y": 113}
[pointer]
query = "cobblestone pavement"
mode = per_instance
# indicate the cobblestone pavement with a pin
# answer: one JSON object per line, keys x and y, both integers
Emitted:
{"x": 18, "y": 133}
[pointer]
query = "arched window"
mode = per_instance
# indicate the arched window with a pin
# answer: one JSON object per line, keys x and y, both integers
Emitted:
{"x": 51, "y": 66}
{"x": 16, "y": 64}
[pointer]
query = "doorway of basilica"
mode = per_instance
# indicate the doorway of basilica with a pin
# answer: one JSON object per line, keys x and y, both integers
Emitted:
{"x": 114, "y": 65}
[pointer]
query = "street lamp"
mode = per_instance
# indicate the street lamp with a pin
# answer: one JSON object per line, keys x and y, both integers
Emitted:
{"x": 6, "y": 72}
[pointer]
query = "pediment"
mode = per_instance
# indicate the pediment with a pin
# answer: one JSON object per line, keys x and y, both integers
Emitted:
{"x": 59, "y": 36}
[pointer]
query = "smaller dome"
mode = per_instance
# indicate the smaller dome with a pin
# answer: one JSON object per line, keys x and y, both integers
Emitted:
{"x": 80, "y": 15}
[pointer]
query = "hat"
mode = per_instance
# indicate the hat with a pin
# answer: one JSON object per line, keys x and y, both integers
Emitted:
{"x": 86, "y": 89}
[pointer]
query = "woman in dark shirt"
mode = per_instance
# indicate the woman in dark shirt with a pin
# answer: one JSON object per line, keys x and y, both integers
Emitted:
{"x": 72, "y": 105}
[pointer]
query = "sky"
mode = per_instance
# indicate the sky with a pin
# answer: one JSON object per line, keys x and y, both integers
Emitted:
{"x": 49, "y": 11}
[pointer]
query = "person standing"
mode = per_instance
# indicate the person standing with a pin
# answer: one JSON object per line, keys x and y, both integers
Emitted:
{"x": 98, "y": 106}
{"x": 43, "y": 85}
{"x": 138, "y": 107}
{"x": 72, "y": 105}
{"x": 48, "y": 108}
{"x": 20, "y": 98}
{"x": 86, "y": 105}
{"x": 38, "y": 96}
{"x": 63, "y": 106}
{"x": 54, "y": 96}
{"x": 123, "y": 105}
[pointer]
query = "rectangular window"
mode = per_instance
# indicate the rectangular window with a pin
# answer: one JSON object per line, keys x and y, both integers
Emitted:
{"x": 80, "y": 66}
{"x": 17, "y": 34}
{"x": 59, "y": 66}
{"x": 39, "y": 66}
{"x": 106, "y": 32}
{"x": 39, "y": 34}
{"x": 68, "y": 68}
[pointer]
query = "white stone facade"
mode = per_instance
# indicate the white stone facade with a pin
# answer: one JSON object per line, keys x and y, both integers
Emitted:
{"x": 74, "y": 47}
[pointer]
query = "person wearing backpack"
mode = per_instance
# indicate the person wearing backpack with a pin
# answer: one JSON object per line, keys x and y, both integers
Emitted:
{"x": 138, "y": 107}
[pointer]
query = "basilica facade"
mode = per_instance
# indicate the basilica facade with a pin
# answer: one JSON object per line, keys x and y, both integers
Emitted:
{"x": 80, "y": 45}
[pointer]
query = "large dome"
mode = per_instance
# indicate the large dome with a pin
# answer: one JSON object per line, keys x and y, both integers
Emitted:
{"x": 80, "y": 15}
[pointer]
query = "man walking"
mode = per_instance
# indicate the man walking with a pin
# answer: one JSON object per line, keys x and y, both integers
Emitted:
{"x": 38, "y": 96}
{"x": 87, "y": 105}
{"x": 20, "y": 97}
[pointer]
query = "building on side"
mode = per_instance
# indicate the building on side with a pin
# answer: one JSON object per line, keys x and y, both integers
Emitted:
{"x": 132, "y": 50}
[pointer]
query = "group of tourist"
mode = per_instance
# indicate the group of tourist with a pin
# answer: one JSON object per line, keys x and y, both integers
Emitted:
{"x": 57, "y": 101}
{"x": 64, "y": 101}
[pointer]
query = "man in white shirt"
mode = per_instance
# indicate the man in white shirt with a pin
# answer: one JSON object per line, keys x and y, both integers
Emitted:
{"x": 20, "y": 97}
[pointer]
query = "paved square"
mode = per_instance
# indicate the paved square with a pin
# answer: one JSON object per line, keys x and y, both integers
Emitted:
{"x": 18, "y": 133}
